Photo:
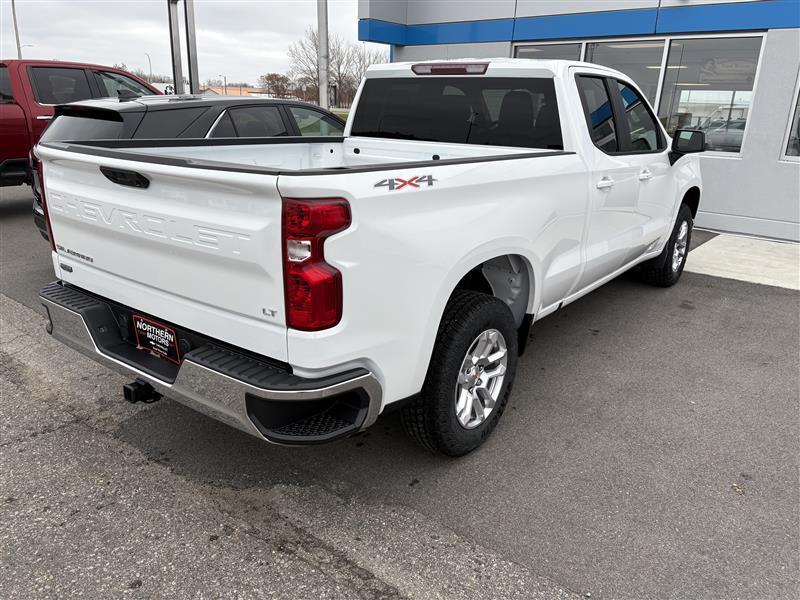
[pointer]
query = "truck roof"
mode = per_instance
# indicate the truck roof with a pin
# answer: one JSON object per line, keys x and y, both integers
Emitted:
{"x": 498, "y": 67}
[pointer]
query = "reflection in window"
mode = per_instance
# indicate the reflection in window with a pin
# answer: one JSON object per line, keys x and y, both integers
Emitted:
{"x": 113, "y": 83}
{"x": 550, "y": 51}
{"x": 597, "y": 106}
{"x": 641, "y": 61}
{"x": 644, "y": 134}
{"x": 709, "y": 85}
{"x": 60, "y": 85}
{"x": 257, "y": 121}
{"x": 314, "y": 123}
{"x": 793, "y": 147}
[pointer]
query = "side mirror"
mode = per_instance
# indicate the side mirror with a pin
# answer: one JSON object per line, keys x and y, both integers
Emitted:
{"x": 688, "y": 141}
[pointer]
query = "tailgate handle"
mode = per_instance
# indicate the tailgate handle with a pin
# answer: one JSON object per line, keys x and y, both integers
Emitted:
{"x": 123, "y": 177}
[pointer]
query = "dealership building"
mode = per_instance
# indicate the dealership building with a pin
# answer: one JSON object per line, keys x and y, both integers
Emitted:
{"x": 731, "y": 68}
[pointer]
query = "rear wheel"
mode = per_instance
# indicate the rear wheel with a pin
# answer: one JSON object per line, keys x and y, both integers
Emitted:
{"x": 470, "y": 376}
{"x": 667, "y": 268}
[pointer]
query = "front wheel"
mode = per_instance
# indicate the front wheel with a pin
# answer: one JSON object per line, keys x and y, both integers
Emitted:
{"x": 667, "y": 268}
{"x": 469, "y": 378}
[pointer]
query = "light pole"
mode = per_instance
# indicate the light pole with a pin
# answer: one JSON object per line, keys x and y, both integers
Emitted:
{"x": 322, "y": 39}
{"x": 150, "y": 64}
{"x": 25, "y": 46}
{"x": 224, "y": 85}
{"x": 16, "y": 28}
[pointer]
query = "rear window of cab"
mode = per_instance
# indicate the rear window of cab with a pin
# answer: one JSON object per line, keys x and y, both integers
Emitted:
{"x": 496, "y": 111}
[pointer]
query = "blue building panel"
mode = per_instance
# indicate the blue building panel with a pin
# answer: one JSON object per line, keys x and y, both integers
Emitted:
{"x": 740, "y": 16}
{"x": 595, "y": 24}
{"x": 497, "y": 30}
{"x": 735, "y": 16}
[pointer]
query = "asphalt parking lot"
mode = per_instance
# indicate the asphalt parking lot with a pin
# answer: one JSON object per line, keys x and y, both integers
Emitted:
{"x": 651, "y": 450}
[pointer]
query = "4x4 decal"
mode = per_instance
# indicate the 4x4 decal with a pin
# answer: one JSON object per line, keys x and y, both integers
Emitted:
{"x": 397, "y": 183}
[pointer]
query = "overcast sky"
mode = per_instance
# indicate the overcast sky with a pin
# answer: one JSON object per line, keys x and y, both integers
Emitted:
{"x": 241, "y": 39}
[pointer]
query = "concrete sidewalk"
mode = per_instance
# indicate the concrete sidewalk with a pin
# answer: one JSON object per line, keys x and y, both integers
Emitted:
{"x": 749, "y": 259}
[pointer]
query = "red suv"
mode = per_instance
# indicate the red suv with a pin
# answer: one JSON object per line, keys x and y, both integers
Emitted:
{"x": 29, "y": 89}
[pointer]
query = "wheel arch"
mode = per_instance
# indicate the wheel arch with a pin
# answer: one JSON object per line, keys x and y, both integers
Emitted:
{"x": 508, "y": 277}
{"x": 691, "y": 198}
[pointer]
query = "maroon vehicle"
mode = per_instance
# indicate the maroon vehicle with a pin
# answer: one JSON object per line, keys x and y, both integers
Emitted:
{"x": 29, "y": 89}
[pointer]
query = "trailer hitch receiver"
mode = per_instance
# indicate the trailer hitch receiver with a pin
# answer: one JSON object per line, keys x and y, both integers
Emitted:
{"x": 140, "y": 391}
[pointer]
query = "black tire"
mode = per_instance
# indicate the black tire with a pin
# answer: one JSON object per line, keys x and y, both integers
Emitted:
{"x": 661, "y": 271}
{"x": 431, "y": 418}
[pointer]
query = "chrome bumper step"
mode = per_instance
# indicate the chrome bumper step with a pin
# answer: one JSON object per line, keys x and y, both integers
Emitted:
{"x": 260, "y": 397}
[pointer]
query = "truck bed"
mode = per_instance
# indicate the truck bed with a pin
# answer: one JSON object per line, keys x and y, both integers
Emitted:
{"x": 301, "y": 156}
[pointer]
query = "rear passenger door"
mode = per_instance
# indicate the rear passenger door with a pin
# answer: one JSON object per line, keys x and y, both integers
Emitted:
{"x": 614, "y": 224}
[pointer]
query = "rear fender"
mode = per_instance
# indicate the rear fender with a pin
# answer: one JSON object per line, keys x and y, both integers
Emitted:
{"x": 480, "y": 255}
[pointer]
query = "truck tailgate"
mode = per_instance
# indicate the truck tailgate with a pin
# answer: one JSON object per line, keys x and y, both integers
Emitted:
{"x": 197, "y": 248}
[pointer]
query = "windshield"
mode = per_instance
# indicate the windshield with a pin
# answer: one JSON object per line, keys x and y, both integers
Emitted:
{"x": 497, "y": 111}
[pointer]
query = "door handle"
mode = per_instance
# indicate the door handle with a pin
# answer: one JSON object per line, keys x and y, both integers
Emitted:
{"x": 44, "y": 117}
{"x": 605, "y": 183}
{"x": 645, "y": 175}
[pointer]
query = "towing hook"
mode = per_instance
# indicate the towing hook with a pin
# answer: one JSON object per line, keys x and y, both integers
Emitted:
{"x": 140, "y": 391}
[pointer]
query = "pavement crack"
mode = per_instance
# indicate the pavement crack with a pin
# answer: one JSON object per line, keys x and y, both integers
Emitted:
{"x": 44, "y": 431}
{"x": 288, "y": 538}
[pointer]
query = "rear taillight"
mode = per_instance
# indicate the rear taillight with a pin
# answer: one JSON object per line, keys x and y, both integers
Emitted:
{"x": 313, "y": 288}
{"x": 40, "y": 175}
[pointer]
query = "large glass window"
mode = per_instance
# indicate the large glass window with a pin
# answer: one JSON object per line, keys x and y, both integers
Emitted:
{"x": 550, "y": 51}
{"x": 599, "y": 115}
{"x": 497, "y": 111}
{"x": 60, "y": 85}
{"x": 641, "y": 61}
{"x": 793, "y": 146}
{"x": 709, "y": 85}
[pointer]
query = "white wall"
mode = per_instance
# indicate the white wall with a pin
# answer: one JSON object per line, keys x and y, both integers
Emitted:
{"x": 443, "y": 51}
{"x": 756, "y": 192}
{"x": 538, "y": 8}
{"x": 425, "y": 11}
{"x": 393, "y": 11}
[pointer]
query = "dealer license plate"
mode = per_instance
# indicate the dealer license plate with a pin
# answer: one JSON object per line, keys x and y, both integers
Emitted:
{"x": 156, "y": 338}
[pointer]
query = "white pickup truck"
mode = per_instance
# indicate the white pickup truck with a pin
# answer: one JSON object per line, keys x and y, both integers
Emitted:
{"x": 296, "y": 288}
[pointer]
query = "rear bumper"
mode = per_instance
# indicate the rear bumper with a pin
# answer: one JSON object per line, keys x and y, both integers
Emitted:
{"x": 257, "y": 396}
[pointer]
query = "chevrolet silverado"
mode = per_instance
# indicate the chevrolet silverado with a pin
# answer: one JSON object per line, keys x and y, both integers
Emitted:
{"x": 296, "y": 288}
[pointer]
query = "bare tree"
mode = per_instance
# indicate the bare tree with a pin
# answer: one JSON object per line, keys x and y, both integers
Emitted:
{"x": 363, "y": 56}
{"x": 340, "y": 65}
{"x": 277, "y": 85}
{"x": 347, "y": 63}
{"x": 304, "y": 66}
